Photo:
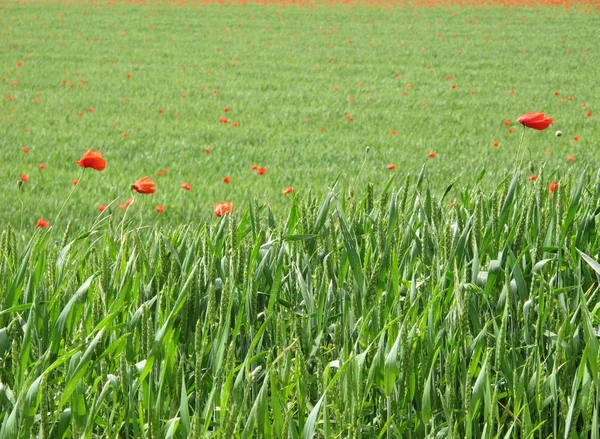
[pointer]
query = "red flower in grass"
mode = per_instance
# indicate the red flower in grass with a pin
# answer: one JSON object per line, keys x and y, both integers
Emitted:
{"x": 226, "y": 180}
{"x": 553, "y": 186}
{"x": 101, "y": 208}
{"x": 391, "y": 167}
{"x": 223, "y": 120}
{"x": 533, "y": 177}
{"x": 224, "y": 208}
{"x": 160, "y": 209}
{"x": 394, "y": 132}
{"x": 432, "y": 155}
{"x": 186, "y": 186}
{"x": 24, "y": 178}
{"x": 92, "y": 160}
{"x": 207, "y": 150}
{"x": 349, "y": 118}
{"x": 235, "y": 124}
{"x": 588, "y": 113}
{"x": 496, "y": 144}
{"x": 144, "y": 186}
{"x": 42, "y": 223}
{"x": 576, "y": 138}
{"x": 261, "y": 171}
{"x": 507, "y": 123}
{"x": 570, "y": 158}
{"x": 75, "y": 182}
{"x": 288, "y": 190}
{"x": 25, "y": 149}
{"x": 42, "y": 166}
{"x": 537, "y": 121}
{"x": 254, "y": 167}
{"x": 226, "y": 110}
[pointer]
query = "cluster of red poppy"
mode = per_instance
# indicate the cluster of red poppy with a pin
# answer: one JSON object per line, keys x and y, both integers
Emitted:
{"x": 144, "y": 186}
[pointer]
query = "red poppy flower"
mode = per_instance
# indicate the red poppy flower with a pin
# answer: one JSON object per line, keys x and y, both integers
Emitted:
{"x": 74, "y": 182}
{"x": 507, "y": 123}
{"x": 533, "y": 177}
{"x": 101, "y": 207}
{"x": 90, "y": 109}
{"x": 42, "y": 166}
{"x": 10, "y": 98}
{"x": 288, "y": 190}
{"x": 226, "y": 180}
{"x": 254, "y": 167}
{"x": 144, "y": 186}
{"x": 42, "y": 223}
{"x": 432, "y": 155}
{"x": 588, "y": 113}
{"x": 92, "y": 160}
{"x": 161, "y": 111}
{"x": 25, "y": 150}
{"x": 223, "y": 120}
{"x": 128, "y": 75}
{"x": 570, "y": 158}
{"x": 537, "y": 121}
{"x": 207, "y": 150}
{"x": 576, "y": 138}
{"x": 496, "y": 144}
{"x": 122, "y": 206}
{"x": 261, "y": 171}
{"x": 125, "y": 135}
{"x": 556, "y": 93}
{"x": 553, "y": 186}
{"x": 349, "y": 118}
{"x": 226, "y": 110}
{"x": 160, "y": 208}
{"x": 224, "y": 208}
{"x": 394, "y": 132}
{"x": 24, "y": 178}
{"x": 160, "y": 173}
{"x": 235, "y": 124}
{"x": 186, "y": 186}
{"x": 391, "y": 167}
{"x": 184, "y": 96}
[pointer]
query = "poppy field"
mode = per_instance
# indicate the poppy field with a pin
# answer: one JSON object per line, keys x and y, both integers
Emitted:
{"x": 299, "y": 220}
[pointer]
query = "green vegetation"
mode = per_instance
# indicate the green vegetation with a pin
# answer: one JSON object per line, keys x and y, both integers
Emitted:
{"x": 356, "y": 315}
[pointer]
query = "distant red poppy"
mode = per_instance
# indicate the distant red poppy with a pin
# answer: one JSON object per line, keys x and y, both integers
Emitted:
{"x": 510, "y": 131}
{"x": 537, "y": 121}
{"x": 184, "y": 96}
{"x": 160, "y": 208}
{"x": 128, "y": 75}
{"x": 144, "y": 186}
{"x": 42, "y": 223}
{"x": 391, "y": 167}
{"x": 90, "y": 109}
{"x": 24, "y": 178}
{"x": 553, "y": 186}
{"x": 223, "y": 120}
{"x": 496, "y": 144}
{"x": 160, "y": 173}
{"x": 556, "y": 93}
{"x": 226, "y": 110}
{"x": 254, "y": 167}
{"x": 576, "y": 138}
{"x": 588, "y": 113}
{"x": 92, "y": 160}
{"x": 42, "y": 166}
{"x": 226, "y": 180}
{"x": 235, "y": 124}
{"x": 165, "y": 171}
{"x": 75, "y": 182}
{"x": 224, "y": 208}
{"x": 432, "y": 155}
{"x": 570, "y": 158}
{"x": 101, "y": 207}
{"x": 186, "y": 186}
{"x": 125, "y": 135}
{"x": 394, "y": 132}
{"x": 533, "y": 177}
{"x": 207, "y": 150}
{"x": 349, "y": 118}
{"x": 261, "y": 171}
{"x": 161, "y": 111}
{"x": 507, "y": 123}
{"x": 25, "y": 150}
{"x": 288, "y": 190}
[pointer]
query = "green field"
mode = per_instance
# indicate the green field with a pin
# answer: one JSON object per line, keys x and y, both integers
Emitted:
{"x": 453, "y": 296}
{"x": 263, "y": 61}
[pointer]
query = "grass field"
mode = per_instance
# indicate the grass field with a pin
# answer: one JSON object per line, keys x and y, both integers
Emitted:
{"x": 290, "y": 77}
{"x": 434, "y": 272}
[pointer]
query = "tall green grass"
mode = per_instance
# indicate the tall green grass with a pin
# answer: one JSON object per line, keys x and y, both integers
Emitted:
{"x": 390, "y": 315}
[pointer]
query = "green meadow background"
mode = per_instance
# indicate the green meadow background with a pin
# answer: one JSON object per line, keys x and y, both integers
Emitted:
{"x": 277, "y": 69}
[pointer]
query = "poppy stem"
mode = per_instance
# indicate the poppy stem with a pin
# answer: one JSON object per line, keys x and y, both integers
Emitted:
{"x": 520, "y": 151}
{"x": 69, "y": 196}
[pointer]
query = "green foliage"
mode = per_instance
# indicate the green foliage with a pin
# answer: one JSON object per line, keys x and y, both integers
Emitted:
{"x": 401, "y": 317}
